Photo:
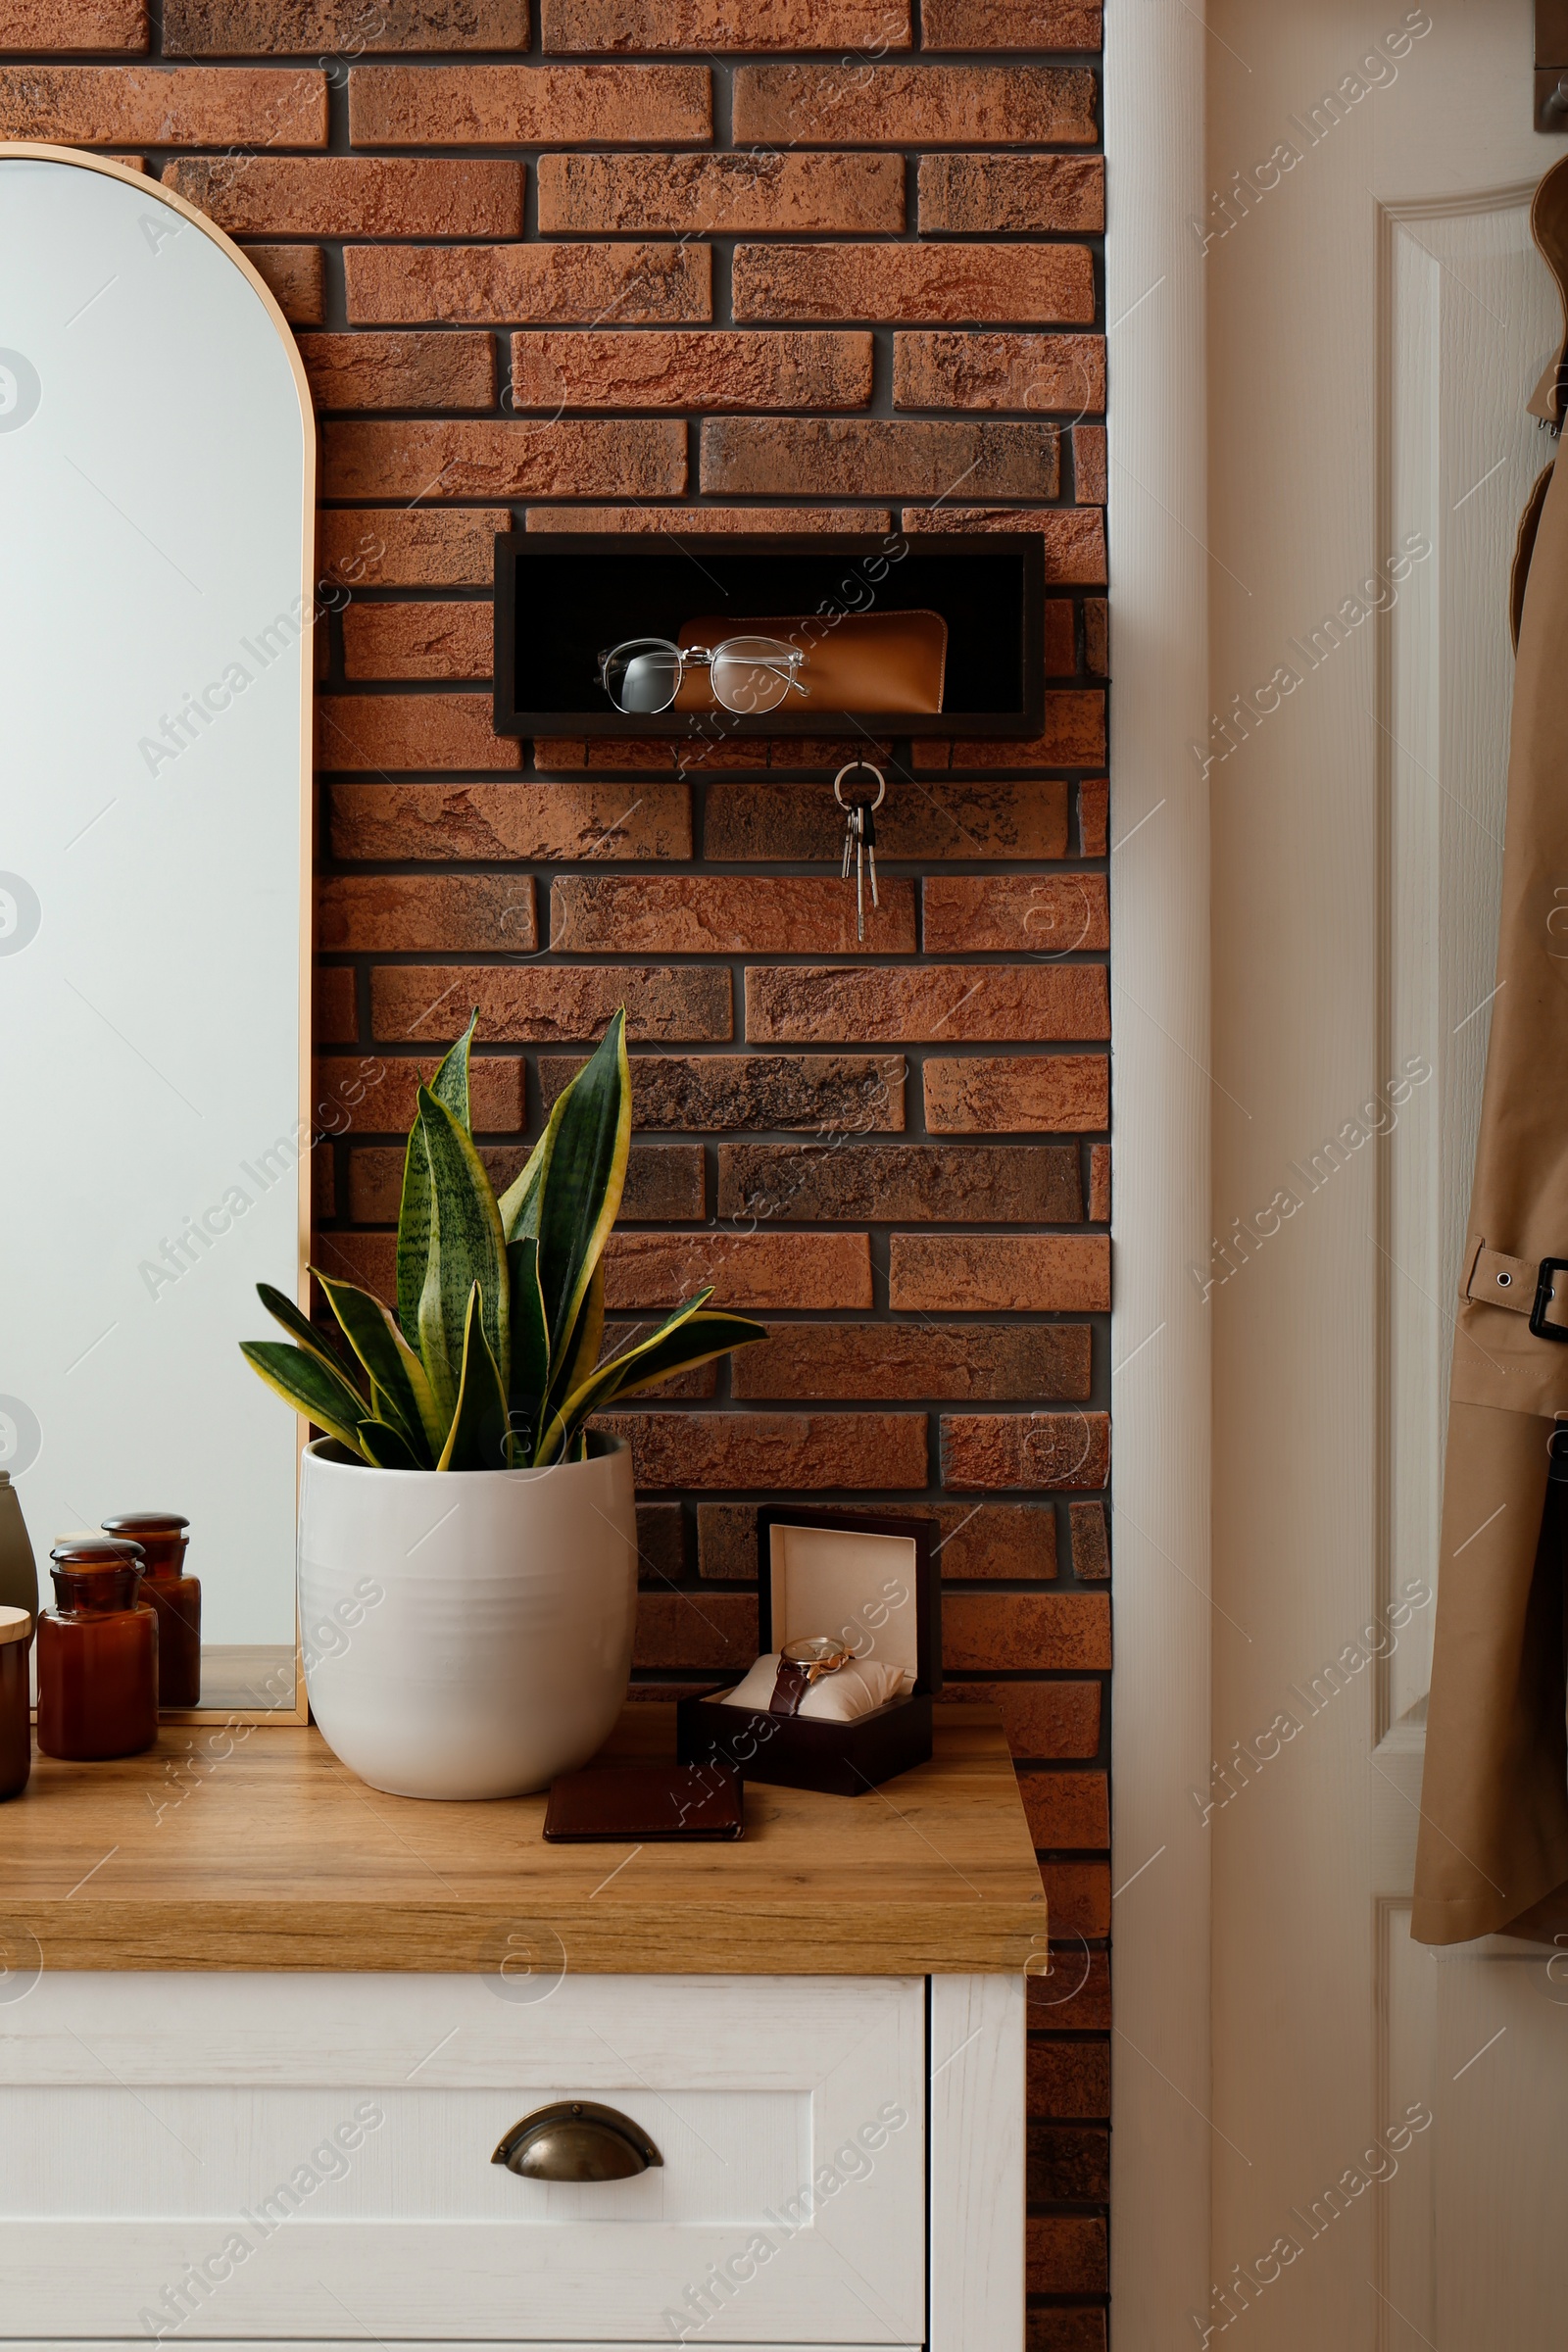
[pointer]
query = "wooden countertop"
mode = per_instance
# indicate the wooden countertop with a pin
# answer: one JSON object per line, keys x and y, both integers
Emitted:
{"x": 280, "y": 1859}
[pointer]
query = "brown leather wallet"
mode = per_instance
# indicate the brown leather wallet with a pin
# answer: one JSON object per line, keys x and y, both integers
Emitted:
{"x": 878, "y": 662}
{"x": 645, "y": 1803}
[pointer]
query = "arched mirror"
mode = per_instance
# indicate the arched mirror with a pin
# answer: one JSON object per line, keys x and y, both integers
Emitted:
{"x": 157, "y": 481}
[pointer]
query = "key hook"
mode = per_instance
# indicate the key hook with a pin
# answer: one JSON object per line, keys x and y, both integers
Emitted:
{"x": 849, "y": 770}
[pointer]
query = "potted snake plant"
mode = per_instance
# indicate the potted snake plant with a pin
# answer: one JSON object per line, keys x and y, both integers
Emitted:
{"x": 468, "y": 1541}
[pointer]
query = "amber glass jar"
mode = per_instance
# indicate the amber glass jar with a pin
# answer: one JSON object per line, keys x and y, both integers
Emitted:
{"x": 16, "y": 1733}
{"x": 174, "y": 1598}
{"x": 97, "y": 1655}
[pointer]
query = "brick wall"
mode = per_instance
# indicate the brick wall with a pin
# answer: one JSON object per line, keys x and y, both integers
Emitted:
{"x": 802, "y": 264}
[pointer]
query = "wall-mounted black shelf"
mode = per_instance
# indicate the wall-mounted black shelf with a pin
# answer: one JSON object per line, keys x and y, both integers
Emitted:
{"x": 562, "y": 597}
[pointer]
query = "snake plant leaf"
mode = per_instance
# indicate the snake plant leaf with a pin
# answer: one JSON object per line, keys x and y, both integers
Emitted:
{"x": 530, "y": 1344}
{"x": 284, "y": 1311}
{"x": 478, "y": 1436}
{"x": 399, "y": 1389}
{"x": 467, "y": 1248}
{"x": 685, "y": 1338}
{"x": 521, "y": 1201}
{"x": 582, "y": 1186}
{"x": 573, "y": 1365}
{"x": 311, "y": 1387}
{"x": 449, "y": 1086}
{"x": 386, "y": 1448}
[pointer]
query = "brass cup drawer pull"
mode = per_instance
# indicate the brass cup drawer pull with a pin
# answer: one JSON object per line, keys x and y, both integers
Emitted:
{"x": 577, "y": 2140}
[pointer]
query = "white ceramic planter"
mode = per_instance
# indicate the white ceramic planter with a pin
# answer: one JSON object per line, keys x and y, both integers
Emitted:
{"x": 467, "y": 1634}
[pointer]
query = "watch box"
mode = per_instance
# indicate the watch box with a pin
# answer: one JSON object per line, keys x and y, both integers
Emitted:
{"x": 869, "y": 1579}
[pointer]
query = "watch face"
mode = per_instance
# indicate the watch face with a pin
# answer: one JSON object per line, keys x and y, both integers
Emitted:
{"x": 820, "y": 1651}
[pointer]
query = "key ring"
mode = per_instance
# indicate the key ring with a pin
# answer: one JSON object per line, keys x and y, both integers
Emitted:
{"x": 847, "y": 770}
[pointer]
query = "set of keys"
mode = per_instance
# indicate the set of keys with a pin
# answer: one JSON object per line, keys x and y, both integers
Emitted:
{"x": 859, "y": 838}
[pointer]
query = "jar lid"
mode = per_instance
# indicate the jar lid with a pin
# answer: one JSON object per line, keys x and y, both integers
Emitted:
{"x": 88, "y": 1550}
{"x": 15, "y": 1625}
{"x": 146, "y": 1523}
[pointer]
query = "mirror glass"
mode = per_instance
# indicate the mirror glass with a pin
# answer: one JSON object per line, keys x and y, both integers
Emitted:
{"x": 156, "y": 463}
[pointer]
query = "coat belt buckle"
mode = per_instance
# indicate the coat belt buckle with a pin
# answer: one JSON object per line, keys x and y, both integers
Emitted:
{"x": 1544, "y": 1330}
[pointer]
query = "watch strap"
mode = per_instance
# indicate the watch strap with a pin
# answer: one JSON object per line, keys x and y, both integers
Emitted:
{"x": 789, "y": 1688}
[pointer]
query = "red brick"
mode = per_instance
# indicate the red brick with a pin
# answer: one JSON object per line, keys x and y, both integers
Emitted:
{"x": 1042, "y": 1719}
{"x": 1025, "y": 1449}
{"x": 295, "y": 275}
{"x": 1075, "y": 737}
{"x": 1025, "y": 914}
{"x": 853, "y": 1360}
{"x": 1059, "y": 1273}
{"x": 1061, "y": 638}
{"x": 1075, "y": 1996}
{"x": 529, "y": 106}
{"x": 1066, "y": 2254}
{"x": 1069, "y": 2078}
{"x": 548, "y": 1004}
{"x": 1061, "y": 2326}
{"x": 1096, "y": 636}
{"x": 411, "y": 547}
{"x": 684, "y": 522}
{"x": 1091, "y": 1546}
{"x": 410, "y": 731}
{"x": 324, "y": 1183}
{"x": 661, "y": 1542}
{"x": 700, "y": 1631}
{"x": 425, "y": 912}
{"x": 701, "y": 914}
{"x": 162, "y": 106}
{"x": 907, "y": 106}
{"x": 978, "y": 195}
{"x": 950, "y": 1184}
{"x": 1068, "y": 2163}
{"x": 1079, "y": 1896}
{"x": 1074, "y": 536}
{"x": 334, "y": 1017}
{"x": 370, "y": 1261}
{"x": 1017, "y": 1541}
{"x": 586, "y": 458}
{"x": 1051, "y": 1631}
{"x": 747, "y": 1271}
{"x": 66, "y": 25}
{"x": 703, "y": 194}
{"x": 822, "y": 1005}
{"x": 718, "y": 1092}
{"x": 795, "y": 1452}
{"x": 400, "y": 372}
{"x": 661, "y": 1179}
{"x": 1049, "y": 284}
{"x": 643, "y": 25}
{"x": 1024, "y": 1094}
{"x": 1093, "y": 813}
{"x": 691, "y": 369}
{"x": 376, "y": 1093}
{"x": 264, "y": 27}
{"x": 446, "y": 640}
{"x": 493, "y": 284}
{"x": 1066, "y": 1809}
{"x": 551, "y": 823}
{"x": 1089, "y": 476}
{"x": 353, "y": 195}
{"x": 1010, "y": 25}
{"x": 710, "y": 752}
{"x": 878, "y": 457}
{"x": 1037, "y": 373}
{"x": 1100, "y": 1184}
{"x": 748, "y": 824}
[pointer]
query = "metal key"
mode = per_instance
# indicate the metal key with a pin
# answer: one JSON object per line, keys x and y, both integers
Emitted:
{"x": 859, "y": 838}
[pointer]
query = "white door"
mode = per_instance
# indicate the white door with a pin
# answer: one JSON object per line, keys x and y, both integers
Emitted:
{"x": 1390, "y": 2126}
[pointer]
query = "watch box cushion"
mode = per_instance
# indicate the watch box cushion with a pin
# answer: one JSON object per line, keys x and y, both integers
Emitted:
{"x": 856, "y": 1689}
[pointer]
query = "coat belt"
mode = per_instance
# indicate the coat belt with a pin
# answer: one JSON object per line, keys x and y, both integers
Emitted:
{"x": 1537, "y": 1287}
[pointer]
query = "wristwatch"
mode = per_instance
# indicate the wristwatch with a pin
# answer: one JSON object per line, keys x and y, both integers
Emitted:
{"x": 803, "y": 1663}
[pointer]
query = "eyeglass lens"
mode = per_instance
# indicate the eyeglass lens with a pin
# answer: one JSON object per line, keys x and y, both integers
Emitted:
{"x": 644, "y": 674}
{"x": 752, "y": 673}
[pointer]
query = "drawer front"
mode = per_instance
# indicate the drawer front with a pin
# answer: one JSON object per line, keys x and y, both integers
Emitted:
{"x": 308, "y": 2158}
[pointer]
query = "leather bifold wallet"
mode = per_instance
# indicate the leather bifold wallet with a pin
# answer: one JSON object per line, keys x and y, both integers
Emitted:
{"x": 645, "y": 1803}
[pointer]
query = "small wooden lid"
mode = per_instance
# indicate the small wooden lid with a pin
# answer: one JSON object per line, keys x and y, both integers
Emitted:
{"x": 15, "y": 1625}
{"x": 146, "y": 1523}
{"x": 95, "y": 1551}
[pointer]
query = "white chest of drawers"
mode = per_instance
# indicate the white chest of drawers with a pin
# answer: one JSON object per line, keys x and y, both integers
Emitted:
{"x": 254, "y": 2093}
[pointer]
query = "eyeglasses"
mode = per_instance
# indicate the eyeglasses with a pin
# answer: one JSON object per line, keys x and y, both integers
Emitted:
{"x": 747, "y": 673}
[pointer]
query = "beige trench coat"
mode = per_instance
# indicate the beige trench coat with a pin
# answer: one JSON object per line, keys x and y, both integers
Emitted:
{"x": 1492, "y": 1851}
